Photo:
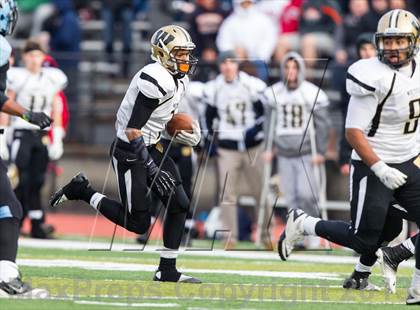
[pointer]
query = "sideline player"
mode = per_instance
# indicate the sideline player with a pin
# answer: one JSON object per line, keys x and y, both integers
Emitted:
{"x": 139, "y": 159}
{"x": 37, "y": 89}
{"x": 382, "y": 128}
{"x": 10, "y": 208}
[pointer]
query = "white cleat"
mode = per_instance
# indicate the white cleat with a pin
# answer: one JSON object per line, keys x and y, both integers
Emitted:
{"x": 413, "y": 297}
{"x": 292, "y": 234}
{"x": 389, "y": 270}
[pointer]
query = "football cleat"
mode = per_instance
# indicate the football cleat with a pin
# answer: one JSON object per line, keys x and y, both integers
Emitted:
{"x": 389, "y": 258}
{"x": 292, "y": 234}
{"x": 413, "y": 297}
{"x": 360, "y": 281}
{"x": 174, "y": 276}
{"x": 74, "y": 190}
{"x": 18, "y": 288}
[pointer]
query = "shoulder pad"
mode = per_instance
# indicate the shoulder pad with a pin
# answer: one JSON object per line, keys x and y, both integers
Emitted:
{"x": 155, "y": 82}
{"x": 57, "y": 76}
{"x": 363, "y": 77}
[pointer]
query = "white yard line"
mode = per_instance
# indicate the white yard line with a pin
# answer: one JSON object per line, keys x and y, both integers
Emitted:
{"x": 89, "y": 265}
{"x": 254, "y": 255}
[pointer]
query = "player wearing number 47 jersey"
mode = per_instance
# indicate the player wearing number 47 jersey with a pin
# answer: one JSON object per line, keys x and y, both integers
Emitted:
{"x": 138, "y": 158}
{"x": 382, "y": 128}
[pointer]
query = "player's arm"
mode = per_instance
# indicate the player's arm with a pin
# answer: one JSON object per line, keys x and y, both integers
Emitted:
{"x": 56, "y": 149}
{"x": 361, "y": 111}
{"x": 142, "y": 110}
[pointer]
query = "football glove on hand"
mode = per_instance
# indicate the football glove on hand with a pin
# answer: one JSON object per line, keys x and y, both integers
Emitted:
{"x": 4, "y": 151}
{"x": 390, "y": 177}
{"x": 163, "y": 180}
{"x": 187, "y": 138}
{"x": 55, "y": 149}
{"x": 39, "y": 119}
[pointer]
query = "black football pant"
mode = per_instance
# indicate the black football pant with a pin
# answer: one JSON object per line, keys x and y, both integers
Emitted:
{"x": 134, "y": 211}
{"x": 30, "y": 155}
{"x": 370, "y": 201}
{"x": 10, "y": 216}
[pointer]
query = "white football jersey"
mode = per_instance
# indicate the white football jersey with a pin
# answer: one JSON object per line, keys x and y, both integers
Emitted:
{"x": 155, "y": 82}
{"x": 393, "y": 129}
{"x": 35, "y": 92}
{"x": 293, "y": 107}
{"x": 234, "y": 103}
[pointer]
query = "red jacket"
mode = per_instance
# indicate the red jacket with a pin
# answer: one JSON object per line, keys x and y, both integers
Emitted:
{"x": 289, "y": 19}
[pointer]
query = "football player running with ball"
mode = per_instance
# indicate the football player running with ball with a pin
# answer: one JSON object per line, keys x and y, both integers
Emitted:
{"x": 138, "y": 158}
{"x": 382, "y": 128}
{"x": 10, "y": 208}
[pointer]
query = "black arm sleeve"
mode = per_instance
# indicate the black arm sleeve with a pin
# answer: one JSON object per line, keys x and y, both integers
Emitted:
{"x": 3, "y": 84}
{"x": 142, "y": 110}
{"x": 211, "y": 114}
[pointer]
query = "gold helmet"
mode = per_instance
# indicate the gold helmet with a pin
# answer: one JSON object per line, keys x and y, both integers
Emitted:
{"x": 167, "y": 42}
{"x": 397, "y": 23}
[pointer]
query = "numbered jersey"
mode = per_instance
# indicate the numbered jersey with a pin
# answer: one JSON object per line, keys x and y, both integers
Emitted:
{"x": 393, "y": 130}
{"x": 293, "y": 107}
{"x": 154, "y": 82}
{"x": 234, "y": 103}
{"x": 35, "y": 92}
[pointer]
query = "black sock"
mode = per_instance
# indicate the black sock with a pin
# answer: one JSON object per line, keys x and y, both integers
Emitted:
{"x": 9, "y": 234}
{"x": 335, "y": 231}
{"x": 166, "y": 264}
{"x": 368, "y": 259}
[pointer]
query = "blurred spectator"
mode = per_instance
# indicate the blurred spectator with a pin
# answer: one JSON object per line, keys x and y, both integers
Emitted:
{"x": 207, "y": 68}
{"x": 369, "y": 21}
{"x": 289, "y": 27}
{"x": 121, "y": 11}
{"x": 397, "y": 4}
{"x": 318, "y": 22}
{"x": 414, "y": 7}
{"x": 32, "y": 14}
{"x": 347, "y": 33}
{"x": 65, "y": 32}
{"x": 205, "y": 22}
{"x": 250, "y": 33}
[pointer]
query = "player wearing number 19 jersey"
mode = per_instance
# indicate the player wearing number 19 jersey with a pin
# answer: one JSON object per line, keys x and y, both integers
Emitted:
{"x": 382, "y": 127}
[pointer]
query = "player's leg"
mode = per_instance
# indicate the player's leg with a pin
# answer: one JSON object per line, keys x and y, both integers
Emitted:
{"x": 37, "y": 172}
{"x": 369, "y": 207}
{"x": 177, "y": 207}
{"x": 229, "y": 165}
{"x": 10, "y": 217}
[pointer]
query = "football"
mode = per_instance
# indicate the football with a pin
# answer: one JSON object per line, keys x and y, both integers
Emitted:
{"x": 179, "y": 121}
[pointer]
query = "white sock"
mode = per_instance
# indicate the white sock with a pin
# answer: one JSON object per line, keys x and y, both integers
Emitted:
{"x": 408, "y": 244}
{"x": 362, "y": 268}
{"x": 415, "y": 283}
{"x": 8, "y": 271}
{"x": 309, "y": 225}
{"x": 169, "y": 253}
{"x": 95, "y": 200}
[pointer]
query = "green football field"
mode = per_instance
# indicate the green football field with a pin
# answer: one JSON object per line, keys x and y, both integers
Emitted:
{"x": 79, "y": 278}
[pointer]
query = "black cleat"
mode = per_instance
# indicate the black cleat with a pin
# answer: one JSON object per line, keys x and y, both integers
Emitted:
{"x": 18, "y": 288}
{"x": 174, "y": 276}
{"x": 43, "y": 231}
{"x": 360, "y": 281}
{"x": 76, "y": 189}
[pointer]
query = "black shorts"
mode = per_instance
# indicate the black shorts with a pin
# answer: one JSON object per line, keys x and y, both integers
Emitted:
{"x": 371, "y": 201}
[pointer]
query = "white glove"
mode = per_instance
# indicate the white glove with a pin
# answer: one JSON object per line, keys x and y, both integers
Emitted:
{"x": 187, "y": 138}
{"x": 4, "y": 151}
{"x": 390, "y": 177}
{"x": 55, "y": 149}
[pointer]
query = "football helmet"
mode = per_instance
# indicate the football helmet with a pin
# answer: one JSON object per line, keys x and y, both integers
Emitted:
{"x": 167, "y": 42}
{"x": 8, "y": 17}
{"x": 397, "y": 23}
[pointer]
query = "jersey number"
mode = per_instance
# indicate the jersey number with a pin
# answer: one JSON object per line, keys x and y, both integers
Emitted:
{"x": 296, "y": 112}
{"x": 411, "y": 125}
{"x": 38, "y": 102}
{"x": 230, "y": 117}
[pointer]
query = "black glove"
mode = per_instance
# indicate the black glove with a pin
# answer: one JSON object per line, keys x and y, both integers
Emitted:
{"x": 163, "y": 180}
{"x": 37, "y": 118}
